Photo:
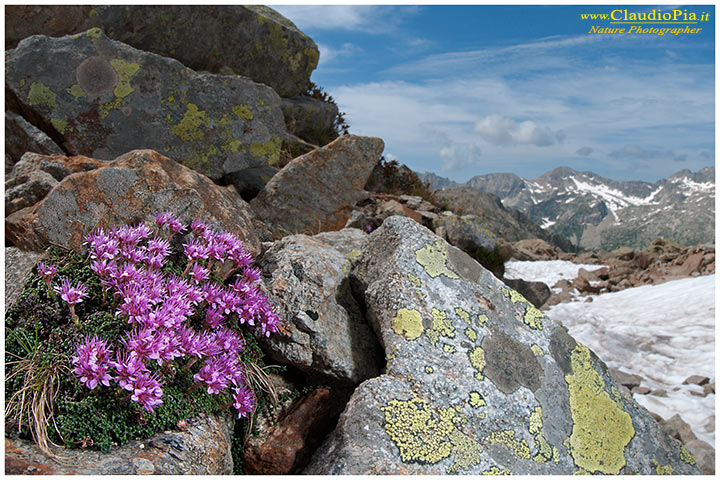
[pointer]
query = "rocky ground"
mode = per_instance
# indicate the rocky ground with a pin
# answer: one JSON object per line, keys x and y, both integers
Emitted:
{"x": 430, "y": 364}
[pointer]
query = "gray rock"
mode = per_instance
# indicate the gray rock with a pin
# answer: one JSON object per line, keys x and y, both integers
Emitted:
{"x": 251, "y": 181}
{"x": 470, "y": 235}
{"x": 105, "y": 98}
{"x": 253, "y": 41}
{"x": 133, "y": 188}
{"x": 348, "y": 241}
{"x": 628, "y": 380}
{"x": 316, "y": 191}
{"x": 18, "y": 265}
{"x": 21, "y": 136}
{"x": 310, "y": 119}
{"x": 696, "y": 380}
{"x": 203, "y": 449}
{"x": 477, "y": 380}
{"x": 58, "y": 166}
{"x": 536, "y": 293}
{"x": 704, "y": 455}
{"x": 36, "y": 186}
{"x": 325, "y": 331}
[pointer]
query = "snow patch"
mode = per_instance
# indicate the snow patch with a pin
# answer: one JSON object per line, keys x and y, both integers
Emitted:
{"x": 547, "y": 271}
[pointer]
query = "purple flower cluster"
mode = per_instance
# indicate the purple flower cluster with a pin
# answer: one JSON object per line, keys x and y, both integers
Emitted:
{"x": 158, "y": 306}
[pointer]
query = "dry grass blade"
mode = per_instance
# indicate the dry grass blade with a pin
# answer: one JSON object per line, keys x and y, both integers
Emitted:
{"x": 258, "y": 379}
{"x": 34, "y": 402}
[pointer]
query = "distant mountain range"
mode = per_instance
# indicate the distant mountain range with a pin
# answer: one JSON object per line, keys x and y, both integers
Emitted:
{"x": 598, "y": 213}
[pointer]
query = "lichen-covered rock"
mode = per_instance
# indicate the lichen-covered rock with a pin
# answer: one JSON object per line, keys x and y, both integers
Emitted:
{"x": 202, "y": 449}
{"x": 132, "y": 188}
{"x": 316, "y": 191}
{"x": 470, "y": 235}
{"x": 536, "y": 293}
{"x": 22, "y": 136}
{"x": 478, "y": 380}
{"x": 104, "y": 98}
{"x": 29, "y": 192}
{"x": 59, "y": 166}
{"x": 253, "y": 41}
{"x": 18, "y": 265}
{"x": 325, "y": 332}
{"x": 310, "y": 119}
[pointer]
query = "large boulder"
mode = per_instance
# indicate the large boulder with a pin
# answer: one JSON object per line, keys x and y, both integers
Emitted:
{"x": 203, "y": 448}
{"x": 536, "y": 293}
{"x": 18, "y": 266}
{"x": 478, "y": 380}
{"x": 21, "y": 136}
{"x": 325, "y": 332}
{"x": 316, "y": 191}
{"x": 132, "y": 188}
{"x": 311, "y": 119}
{"x": 253, "y": 41}
{"x": 102, "y": 98}
{"x": 469, "y": 234}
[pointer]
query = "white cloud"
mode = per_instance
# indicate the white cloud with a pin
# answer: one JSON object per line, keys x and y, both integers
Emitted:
{"x": 502, "y": 131}
{"x": 329, "y": 54}
{"x": 374, "y": 19}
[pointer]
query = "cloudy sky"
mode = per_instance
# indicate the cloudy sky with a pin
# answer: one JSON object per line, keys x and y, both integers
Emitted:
{"x": 468, "y": 90}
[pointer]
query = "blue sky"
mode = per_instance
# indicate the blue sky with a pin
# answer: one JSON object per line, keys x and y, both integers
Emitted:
{"x": 468, "y": 90}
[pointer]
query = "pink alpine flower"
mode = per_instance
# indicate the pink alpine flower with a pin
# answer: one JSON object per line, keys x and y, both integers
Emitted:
{"x": 128, "y": 367}
{"x": 47, "y": 271}
{"x": 147, "y": 391}
{"x": 91, "y": 363}
{"x": 244, "y": 401}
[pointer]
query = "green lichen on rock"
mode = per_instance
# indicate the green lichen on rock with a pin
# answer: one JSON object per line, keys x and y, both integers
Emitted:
{"x": 483, "y": 320}
{"x": 535, "y": 422}
{"x": 39, "y": 95}
{"x": 94, "y": 33}
{"x": 354, "y": 254}
{"x": 269, "y": 150}
{"x": 59, "y": 124}
{"x": 242, "y": 112}
{"x": 476, "y": 400}
{"x": 463, "y": 314}
{"x": 601, "y": 428}
{"x": 662, "y": 469}
{"x": 190, "y": 128}
{"x": 441, "y": 326}
{"x": 471, "y": 334}
{"x": 414, "y": 280}
{"x": 477, "y": 360}
{"x": 686, "y": 456}
{"x": 125, "y": 71}
{"x": 426, "y": 436}
{"x": 76, "y": 91}
{"x": 407, "y": 323}
{"x": 537, "y": 351}
{"x": 533, "y": 315}
{"x": 507, "y": 437}
{"x": 535, "y": 427}
{"x": 433, "y": 258}
{"x": 429, "y": 369}
{"x": 447, "y": 348}
{"x": 496, "y": 471}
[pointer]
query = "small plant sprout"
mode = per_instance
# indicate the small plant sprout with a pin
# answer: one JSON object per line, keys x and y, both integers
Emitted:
{"x": 72, "y": 295}
{"x": 47, "y": 271}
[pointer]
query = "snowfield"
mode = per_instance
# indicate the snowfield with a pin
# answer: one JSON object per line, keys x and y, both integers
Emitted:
{"x": 664, "y": 333}
{"x": 547, "y": 271}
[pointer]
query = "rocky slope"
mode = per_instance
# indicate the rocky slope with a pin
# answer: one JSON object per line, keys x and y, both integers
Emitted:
{"x": 428, "y": 362}
{"x": 595, "y": 212}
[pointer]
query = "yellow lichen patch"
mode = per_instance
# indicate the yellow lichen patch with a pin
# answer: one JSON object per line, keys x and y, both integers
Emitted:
{"x": 686, "y": 456}
{"x": 448, "y": 348}
{"x": 555, "y": 455}
{"x": 532, "y": 314}
{"x": 414, "y": 280}
{"x": 477, "y": 360}
{"x": 354, "y": 254}
{"x": 392, "y": 354}
{"x": 662, "y": 469}
{"x": 242, "y": 112}
{"x": 476, "y": 400}
{"x": 471, "y": 334}
{"x": 59, "y": 124}
{"x": 39, "y": 94}
{"x": 93, "y": 33}
{"x": 601, "y": 428}
{"x": 495, "y": 471}
{"x": 76, "y": 91}
{"x": 407, "y": 323}
{"x": 536, "y": 421}
{"x": 433, "y": 258}
{"x": 441, "y": 326}
{"x": 105, "y": 108}
{"x": 482, "y": 320}
{"x": 425, "y": 436}
{"x": 507, "y": 437}
{"x": 545, "y": 451}
{"x": 269, "y": 150}
{"x": 125, "y": 71}
{"x": 429, "y": 369}
{"x": 463, "y": 314}
{"x": 189, "y": 129}
{"x": 537, "y": 351}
